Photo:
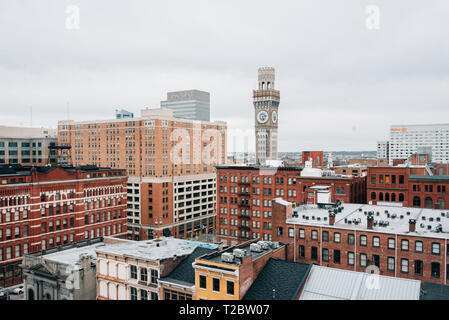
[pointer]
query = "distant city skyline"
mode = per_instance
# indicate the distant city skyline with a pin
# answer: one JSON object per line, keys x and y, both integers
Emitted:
{"x": 343, "y": 84}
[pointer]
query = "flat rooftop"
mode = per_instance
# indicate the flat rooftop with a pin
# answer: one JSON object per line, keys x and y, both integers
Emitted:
{"x": 216, "y": 256}
{"x": 156, "y": 249}
{"x": 389, "y": 219}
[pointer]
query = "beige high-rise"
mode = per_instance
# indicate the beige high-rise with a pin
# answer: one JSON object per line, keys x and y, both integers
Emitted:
{"x": 170, "y": 163}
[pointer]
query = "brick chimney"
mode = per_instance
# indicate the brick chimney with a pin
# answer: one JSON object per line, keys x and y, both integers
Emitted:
{"x": 331, "y": 218}
{"x": 370, "y": 222}
{"x": 412, "y": 225}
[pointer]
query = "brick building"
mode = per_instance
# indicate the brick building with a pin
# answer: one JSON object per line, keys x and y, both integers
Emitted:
{"x": 228, "y": 274}
{"x": 407, "y": 186}
{"x": 45, "y": 207}
{"x": 170, "y": 163}
{"x": 400, "y": 242}
{"x": 245, "y": 193}
{"x": 315, "y": 156}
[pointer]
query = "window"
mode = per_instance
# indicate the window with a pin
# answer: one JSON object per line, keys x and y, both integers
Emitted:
{"x": 302, "y": 234}
{"x": 154, "y": 276}
{"x": 337, "y": 256}
{"x": 350, "y": 238}
{"x": 404, "y": 245}
{"x": 291, "y": 232}
{"x": 351, "y": 258}
{"x": 230, "y": 287}
{"x": 418, "y": 246}
{"x": 337, "y": 237}
{"x": 391, "y": 243}
{"x": 314, "y": 235}
{"x": 216, "y": 284}
{"x": 390, "y": 263}
{"x": 418, "y": 267}
{"x": 143, "y": 274}
{"x": 134, "y": 273}
{"x": 325, "y": 236}
{"x": 302, "y": 252}
{"x": 404, "y": 265}
{"x": 325, "y": 255}
{"x": 435, "y": 269}
{"x": 376, "y": 242}
{"x": 133, "y": 293}
{"x": 363, "y": 260}
{"x": 143, "y": 294}
{"x": 376, "y": 260}
{"x": 314, "y": 253}
{"x": 435, "y": 248}
{"x": 202, "y": 282}
{"x": 363, "y": 240}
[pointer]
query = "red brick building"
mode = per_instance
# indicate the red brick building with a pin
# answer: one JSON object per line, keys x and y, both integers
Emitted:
{"x": 395, "y": 241}
{"x": 44, "y": 207}
{"x": 245, "y": 193}
{"x": 315, "y": 156}
{"x": 409, "y": 186}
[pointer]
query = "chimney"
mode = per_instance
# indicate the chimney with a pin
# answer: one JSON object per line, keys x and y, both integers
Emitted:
{"x": 370, "y": 222}
{"x": 412, "y": 225}
{"x": 331, "y": 218}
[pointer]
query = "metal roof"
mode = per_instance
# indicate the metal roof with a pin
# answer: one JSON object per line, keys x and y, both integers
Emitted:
{"x": 335, "y": 284}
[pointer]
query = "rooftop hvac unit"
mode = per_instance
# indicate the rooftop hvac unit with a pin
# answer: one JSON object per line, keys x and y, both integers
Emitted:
{"x": 408, "y": 213}
{"x": 430, "y": 219}
{"x": 360, "y": 209}
{"x": 422, "y": 225}
{"x": 439, "y": 228}
{"x": 254, "y": 247}
{"x": 274, "y": 244}
{"x": 264, "y": 245}
{"x": 438, "y": 219}
{"x": 227, "y": 257}
{"x": 239, "y": 253}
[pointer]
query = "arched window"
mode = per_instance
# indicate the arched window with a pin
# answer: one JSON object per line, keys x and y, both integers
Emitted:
{"x": 387, "y": 196}
{"x": 373, "y": 196}
{"x": 417, "y": 201}
{"x": 393, "y": 197}
{"x": 441, "y": 203}
{"x": 381, "y": 196}
{"x": 401, "y": 197}
{"x": 428, "y": 202}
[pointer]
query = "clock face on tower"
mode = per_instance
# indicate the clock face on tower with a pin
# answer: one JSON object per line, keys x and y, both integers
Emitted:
{"x": 262, "y": 116}
{"x": 274, "y": 117}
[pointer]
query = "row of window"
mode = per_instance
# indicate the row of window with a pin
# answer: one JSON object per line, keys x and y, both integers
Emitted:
{"x": 364, "y": 261}
{"x": 363, "y": 241}
{"x": 216, "y": 285}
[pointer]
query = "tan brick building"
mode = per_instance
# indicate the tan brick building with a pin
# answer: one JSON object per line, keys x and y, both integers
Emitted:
{"x": 170, "y": 163}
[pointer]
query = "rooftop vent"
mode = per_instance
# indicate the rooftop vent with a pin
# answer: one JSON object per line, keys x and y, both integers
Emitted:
{"x": 438, "y": 219}
{"x": 401, "y": 216}
{"x": 264, "y": 245}
{"x": 274, "y": 244}
{"x": 408, "y": 213}
{"x": 239, "y": 253}
{"x": 429, "y": 227}
{"x": 227, "y": 257}
{"x": 422, "y": 225}
{"x": 255, "y": 247}
{"x": 423, "y": 217}
{"x": 439, "y": 228}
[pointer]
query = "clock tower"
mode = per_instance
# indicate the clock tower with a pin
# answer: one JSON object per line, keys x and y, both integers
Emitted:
{"x": 266, "y": 103}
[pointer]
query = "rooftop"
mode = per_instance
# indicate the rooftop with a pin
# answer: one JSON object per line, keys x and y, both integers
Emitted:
{"x": 434, "y": 291}
{"x": 156, "y": 249}
{"x": 248, "y": 248}
{"x": 326, "y": 283}
{"x": 19, "y": 170}
{"x": 184, "y": 274}
{"x": 278, "y": 280}
{"x": 389, "y": 219}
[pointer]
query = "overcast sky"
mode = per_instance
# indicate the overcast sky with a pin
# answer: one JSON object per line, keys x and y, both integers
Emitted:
{"x": 342, "y": 84}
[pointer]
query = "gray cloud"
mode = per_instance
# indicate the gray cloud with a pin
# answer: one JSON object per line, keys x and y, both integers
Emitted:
{"x": 341, "y": 84}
